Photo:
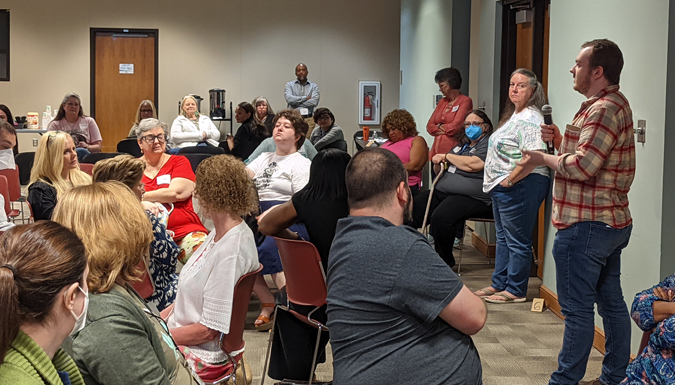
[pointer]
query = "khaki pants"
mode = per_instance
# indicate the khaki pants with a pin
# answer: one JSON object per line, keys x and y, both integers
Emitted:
{"x": 311, "y": 124}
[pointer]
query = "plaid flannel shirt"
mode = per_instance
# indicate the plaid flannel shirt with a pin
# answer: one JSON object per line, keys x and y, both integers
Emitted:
{"x": 597, "y": 163}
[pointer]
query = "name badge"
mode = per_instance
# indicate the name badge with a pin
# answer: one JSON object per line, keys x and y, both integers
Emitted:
{"x": 303, "y": 111}
{"x": 83, "y": 126}
{"x": 452, "y": 169}
{"x": 454, "y": 109}
{"x": 456, "y": 149}
{"x": 164, "y": 179}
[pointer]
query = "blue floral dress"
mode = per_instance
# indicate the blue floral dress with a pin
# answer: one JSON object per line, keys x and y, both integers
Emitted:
{"x": 163, "y": 258}
{"x": 654, "y": 365}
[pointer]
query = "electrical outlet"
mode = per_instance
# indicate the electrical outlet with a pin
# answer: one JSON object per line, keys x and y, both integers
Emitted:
{"x": 35, "y": 142}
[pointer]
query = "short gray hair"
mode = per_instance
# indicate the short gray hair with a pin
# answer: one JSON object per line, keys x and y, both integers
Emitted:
{"x": 148, "y": 124}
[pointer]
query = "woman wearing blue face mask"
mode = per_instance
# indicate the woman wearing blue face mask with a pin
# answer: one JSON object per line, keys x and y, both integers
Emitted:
{"x": 44, "y": 298}
{"x": 459, "y": 193}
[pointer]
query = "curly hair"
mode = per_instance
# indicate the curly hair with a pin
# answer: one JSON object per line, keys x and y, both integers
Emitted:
{"x": 223, "y": 186}
{"x": 122, "y": 168}
{"x": 399, "y": 119}
{"x": 297, "y": 121}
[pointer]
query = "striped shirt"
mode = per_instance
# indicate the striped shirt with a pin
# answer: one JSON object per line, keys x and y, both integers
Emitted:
{"x": 597, "y": 163}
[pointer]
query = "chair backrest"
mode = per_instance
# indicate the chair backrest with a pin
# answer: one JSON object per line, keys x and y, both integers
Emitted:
{"x": 195, "y": 159}
{"x": 24, "y": 161}
{"x": 305, "y": 280}
{"x": 4, "y": 191}
{"x": 88, "y": 168}
{"x": 13, "y": 183}
{"x": 242, "y": 296}
{"x": 95, "y": 157}
{"x": 201, "y": 150}
{"x": 338, "y": 144}
{"x": 145, "y": 287}
{"x": 129, "y": 146}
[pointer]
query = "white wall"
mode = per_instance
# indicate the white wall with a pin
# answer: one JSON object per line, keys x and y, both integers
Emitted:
{"x": 425, "y": 49}
{"x": 643, "y": 81}
{"x": 247, "y": 48}
{"x": 489, "y": 58}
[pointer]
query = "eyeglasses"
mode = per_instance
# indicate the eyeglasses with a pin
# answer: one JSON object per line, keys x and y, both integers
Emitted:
{"x": 150, "y": 139}
{"x": 52, "y": 134}
{"x": 468, "y": 124}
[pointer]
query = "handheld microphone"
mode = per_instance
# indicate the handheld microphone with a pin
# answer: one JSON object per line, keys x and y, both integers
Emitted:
{"x": 546, "y": 111}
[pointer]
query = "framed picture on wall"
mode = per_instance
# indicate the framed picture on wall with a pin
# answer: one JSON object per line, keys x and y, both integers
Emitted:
{"x": 369, "y": 103}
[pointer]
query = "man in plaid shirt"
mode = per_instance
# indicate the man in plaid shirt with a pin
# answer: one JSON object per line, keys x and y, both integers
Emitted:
{"x": 595, "y": 167}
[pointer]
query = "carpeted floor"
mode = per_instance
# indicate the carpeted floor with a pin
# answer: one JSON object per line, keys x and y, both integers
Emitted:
{"x": 517, "y": 346}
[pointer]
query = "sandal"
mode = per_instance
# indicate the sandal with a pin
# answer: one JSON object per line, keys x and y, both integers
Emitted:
{"x": 265, "y": 321}
{"x": 486, "y": 292}
{"x": 502, "y": 297}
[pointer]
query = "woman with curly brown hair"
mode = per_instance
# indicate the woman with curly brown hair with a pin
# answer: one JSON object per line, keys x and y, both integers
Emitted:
{"x": 400, "y": 128}
{"x": 203, "y": 306}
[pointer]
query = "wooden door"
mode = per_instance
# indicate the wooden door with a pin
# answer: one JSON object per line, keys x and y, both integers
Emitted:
{"x": 124, "y": 72}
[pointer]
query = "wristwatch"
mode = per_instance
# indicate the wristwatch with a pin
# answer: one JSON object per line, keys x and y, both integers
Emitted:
{"x": 508, "y": 181}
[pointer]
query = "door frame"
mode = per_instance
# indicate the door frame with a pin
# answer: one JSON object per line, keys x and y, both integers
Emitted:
{"x": 92, "y": 53}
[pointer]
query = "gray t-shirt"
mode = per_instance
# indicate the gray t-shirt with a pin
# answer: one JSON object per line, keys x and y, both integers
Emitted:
{"x": 386, "y": 288}
{"x": 463, "y": 182}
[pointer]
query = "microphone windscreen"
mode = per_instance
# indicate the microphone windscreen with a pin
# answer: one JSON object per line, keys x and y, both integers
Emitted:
{"x": 546, "y": 110}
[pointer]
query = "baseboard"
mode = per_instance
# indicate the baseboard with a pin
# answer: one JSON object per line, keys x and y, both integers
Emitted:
{"x": 482, "y": 245}
{"x": 551, "y": 301}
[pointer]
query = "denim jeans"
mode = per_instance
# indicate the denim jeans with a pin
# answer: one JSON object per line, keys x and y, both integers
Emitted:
{"x": 81, "y": 153}
{"x": 515, "y": 211}
{"x": 588, "y": 269}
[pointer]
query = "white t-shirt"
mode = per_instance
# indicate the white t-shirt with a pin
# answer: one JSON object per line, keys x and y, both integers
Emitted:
{"x": 206, "y": 286}
{"x": 521, "y": 132}
{"x": 277, "y": 177}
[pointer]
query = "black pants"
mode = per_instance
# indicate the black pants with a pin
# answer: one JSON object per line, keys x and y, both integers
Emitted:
{"x": 447, "y": 214}
{"x": 294, "y": 342}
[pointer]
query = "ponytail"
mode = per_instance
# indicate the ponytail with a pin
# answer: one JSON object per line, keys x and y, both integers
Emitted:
{"x": 36, "y": 262}
{"x": 9, "y": 302}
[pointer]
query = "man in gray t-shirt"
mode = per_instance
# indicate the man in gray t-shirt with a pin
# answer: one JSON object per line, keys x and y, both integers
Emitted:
{"x": 397, "y": 313}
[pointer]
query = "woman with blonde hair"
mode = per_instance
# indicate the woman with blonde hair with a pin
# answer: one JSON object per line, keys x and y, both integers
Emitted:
{"x": 203, "y": 307}
{"x": 145, "y": 110}
{"x": 163, "y": 250}
{"x": 55, "y": 171}
{"x": 124, "y": 340}
{"x": 191, "y": 128}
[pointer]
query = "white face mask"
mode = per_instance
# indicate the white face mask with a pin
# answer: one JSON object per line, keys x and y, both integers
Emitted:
{"x": 7, "y": 159}
{"x": 79, "y": 320}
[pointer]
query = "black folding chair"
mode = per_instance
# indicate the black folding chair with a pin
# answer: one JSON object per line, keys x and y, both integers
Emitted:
{"x": 93, "y": 158}
{"x": 201, "y": 150}
{"x": 129, "y": 146}
{"x": 195, "y": 159}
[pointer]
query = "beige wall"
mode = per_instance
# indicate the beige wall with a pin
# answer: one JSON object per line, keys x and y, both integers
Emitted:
{"x": 247, "y": 48}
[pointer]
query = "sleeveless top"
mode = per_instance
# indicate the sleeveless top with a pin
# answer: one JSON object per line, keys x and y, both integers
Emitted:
{"x": 402, "y": 150}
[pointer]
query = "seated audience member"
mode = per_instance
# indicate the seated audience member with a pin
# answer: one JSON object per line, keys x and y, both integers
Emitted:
{"x": 163, "y": 250}
{"x": 653, "y": 310}
{"x": 263, "y": 112}
{"x": 6, "y": 115}
{"x": 124, "y": 341}
{"x": 191, "y": 128}
{"x": 459, "y": 194}
{"x": 55, "y": 170}
{"x": 145, "y": 110}
{"x": 399, "y": 127}
{"x": 203, "y": 307}
{"x": 307, "y": 150}
{"x": 71, "y": 119}
{"x": 168, "y": 179}
{"x": 394, "y": 307}
{"x": 327, "y": 131}
{"x": 277, "y": 176}
{"x": 294, "y": 342}
{"x": 43, "y": 297}
{"x": 7, "y": 144}
{"x": 249, "y": 135}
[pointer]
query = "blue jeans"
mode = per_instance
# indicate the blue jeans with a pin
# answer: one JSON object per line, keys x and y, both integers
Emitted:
{"x": 515, "y": 211}
{"x": 81, "y": 153}
{"x": 588, "y": 270}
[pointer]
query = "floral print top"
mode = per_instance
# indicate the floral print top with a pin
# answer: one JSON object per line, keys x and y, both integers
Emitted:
{"x": 655, "y": 364}
{"x": 163, "y": 258}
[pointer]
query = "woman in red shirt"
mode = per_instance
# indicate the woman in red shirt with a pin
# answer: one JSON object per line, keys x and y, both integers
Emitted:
{"x": 169, "y": 180}
{"x": 448, "y": 117}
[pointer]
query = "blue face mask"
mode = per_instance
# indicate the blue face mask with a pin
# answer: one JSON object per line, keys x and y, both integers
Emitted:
{"x": 473, "y": 132}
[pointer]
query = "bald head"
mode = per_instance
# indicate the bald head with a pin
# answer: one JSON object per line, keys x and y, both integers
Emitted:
{"x": 301, "y": 72}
